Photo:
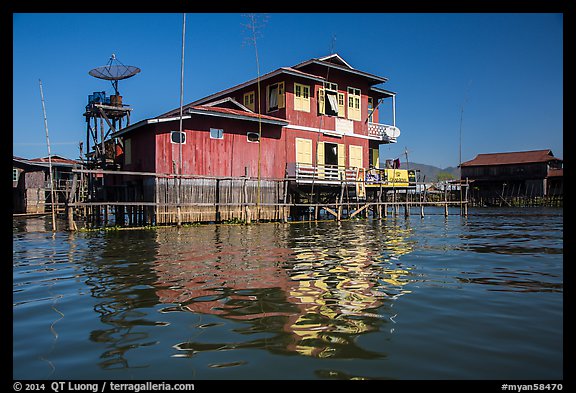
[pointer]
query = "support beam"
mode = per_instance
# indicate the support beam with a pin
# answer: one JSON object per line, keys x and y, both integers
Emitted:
{"x": 359, "y": 210}
{"x": 335, "y": 214}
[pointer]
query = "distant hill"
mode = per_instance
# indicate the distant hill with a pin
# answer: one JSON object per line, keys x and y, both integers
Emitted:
{"x": 429, "y": 173}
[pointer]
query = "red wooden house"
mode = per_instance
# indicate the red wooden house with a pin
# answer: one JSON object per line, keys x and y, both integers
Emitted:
{"x": 318, "y": 121}
{"x": 321, "y": 113}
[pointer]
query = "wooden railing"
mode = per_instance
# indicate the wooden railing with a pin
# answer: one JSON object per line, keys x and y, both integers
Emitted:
{"x": 325, "y": 172}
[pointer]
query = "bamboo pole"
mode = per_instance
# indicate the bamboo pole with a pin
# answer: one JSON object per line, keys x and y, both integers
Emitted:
{"x": 178, "y": 188}
{"x": 49, "y": 159}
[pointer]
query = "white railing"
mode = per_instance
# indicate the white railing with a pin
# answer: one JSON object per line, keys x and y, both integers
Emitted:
{"x": 385, "y": 132}
{"x": 324, "y": 172}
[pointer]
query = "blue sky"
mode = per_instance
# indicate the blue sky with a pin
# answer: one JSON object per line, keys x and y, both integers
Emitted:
{"x": 505, "y": 70}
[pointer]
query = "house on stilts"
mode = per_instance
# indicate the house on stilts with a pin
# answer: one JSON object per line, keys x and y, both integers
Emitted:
{"x": 273, "y": 147}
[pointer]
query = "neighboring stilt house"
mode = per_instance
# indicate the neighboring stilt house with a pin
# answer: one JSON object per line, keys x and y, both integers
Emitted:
{"x": 31, "y": 182}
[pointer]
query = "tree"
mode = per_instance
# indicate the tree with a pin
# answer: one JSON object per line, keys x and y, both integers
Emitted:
{"x": 442, "y": 176}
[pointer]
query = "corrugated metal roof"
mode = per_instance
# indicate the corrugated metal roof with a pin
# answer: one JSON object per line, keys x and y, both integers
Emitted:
{"x": 520, "y": 157}
{"x": 237, "y": 113}
{"x": 209, "y": 111}
{"x": 55, "y": 159}
{"x": 43, "y": 162}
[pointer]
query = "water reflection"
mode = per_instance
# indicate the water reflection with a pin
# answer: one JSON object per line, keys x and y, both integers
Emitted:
{"x": 314, "y": 289}
{"x": 509, "y": 280}
{"x": 132, "y": 304}
{"x": 120, "y": 278}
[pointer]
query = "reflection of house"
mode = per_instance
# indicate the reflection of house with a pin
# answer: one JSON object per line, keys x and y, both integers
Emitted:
{"x": 31, "y": 181}
{"x": 316, "y": 298}
{"x": 525, "y": 173}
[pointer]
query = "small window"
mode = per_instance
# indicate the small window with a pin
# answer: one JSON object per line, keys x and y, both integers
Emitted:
{"x": 275, "y": 96}
{"x": 249, "y": 100}
{"x": 301, "y": 97}
{"x": 331, "y": 86}
{"x": 370, "y": 110}
{"x": 15, "y": 174}
{"x": 178, "y": 137}
{"x": 354, "y": 108}
{"x": 332, "y": 103}
{"x": 216, "y": 133}
{"x": 253, "y": 137}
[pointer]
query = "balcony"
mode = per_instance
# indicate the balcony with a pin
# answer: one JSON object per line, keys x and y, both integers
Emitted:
{"x": 328, "y": 174}
{"x": 383, "y": 132}
{"x": 337, "y": 175}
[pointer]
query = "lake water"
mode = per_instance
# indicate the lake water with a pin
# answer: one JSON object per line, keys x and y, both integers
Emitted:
{"x": 476, "y": 297}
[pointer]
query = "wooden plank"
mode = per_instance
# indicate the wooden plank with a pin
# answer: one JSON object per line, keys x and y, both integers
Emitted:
{"x": 330, "y": 211}
{"x": 359, "y": 210}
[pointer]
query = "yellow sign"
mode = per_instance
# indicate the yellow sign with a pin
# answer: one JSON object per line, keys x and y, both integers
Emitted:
{"x": 396, "y": 177}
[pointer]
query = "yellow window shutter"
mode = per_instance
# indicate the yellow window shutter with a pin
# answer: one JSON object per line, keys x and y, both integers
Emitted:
{"x": 356, "y": 156}
{"x": 306, "y": 98}
{"x": 320, "y": 159}
{"x": 354, "y": 108}
{"x": 341, "y": 159}
{"x": 375, "y": 157}
{"x": 341, "y": 155}
{"x": 249, "y": 100}
{"x": 341, "y": 105}
{"x": 321, "y": 101}
{"x": 304, "y": 151}
{"x": 281, "y": 95}
{"x": 297, "y": 97}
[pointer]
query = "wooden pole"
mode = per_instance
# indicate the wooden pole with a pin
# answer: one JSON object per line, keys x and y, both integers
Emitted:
{"x": 180, "y": 141}
{"x": 446, "y": 200}
{"x": 49, "y": 159}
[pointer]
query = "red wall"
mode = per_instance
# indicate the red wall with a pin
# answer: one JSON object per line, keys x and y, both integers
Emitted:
{"x": 312, "y": 118}
{"x": 203, "y": 155}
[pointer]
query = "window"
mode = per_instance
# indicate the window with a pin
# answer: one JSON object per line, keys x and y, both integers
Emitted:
{"x": 178, "y": 137}
{"x": 341, "y": 105}
{"x": 331, "y": 86}
{"x": 249, "y": 100}
{"x": 301, "y": 97}
{"x": 356, "y": 156}
{"x": 275, "y": 96}
{"x": 330, "y": 102}
{"x": 321, "y": 101}
{"x": 370, "y": 109}
{"x": 252, "y": 137}
{"x": 304, "y": 151}
{"x": 354, "y": 109}
{"x": 15, "y": 174}
{"x": 216, "y": 133}
{"x": 127, "y": 151}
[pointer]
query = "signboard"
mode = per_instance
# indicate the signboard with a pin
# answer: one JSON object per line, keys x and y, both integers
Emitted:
{"x": 344, "y": 126}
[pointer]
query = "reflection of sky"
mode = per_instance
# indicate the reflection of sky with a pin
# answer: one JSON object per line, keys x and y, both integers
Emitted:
{"x": 321, "y": 289}
{"x": 120, "y": 278}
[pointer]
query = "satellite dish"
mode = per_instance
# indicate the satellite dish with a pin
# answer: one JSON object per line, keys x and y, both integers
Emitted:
{"x": 392, "y": 132}
{"x": 114, "y": 71}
